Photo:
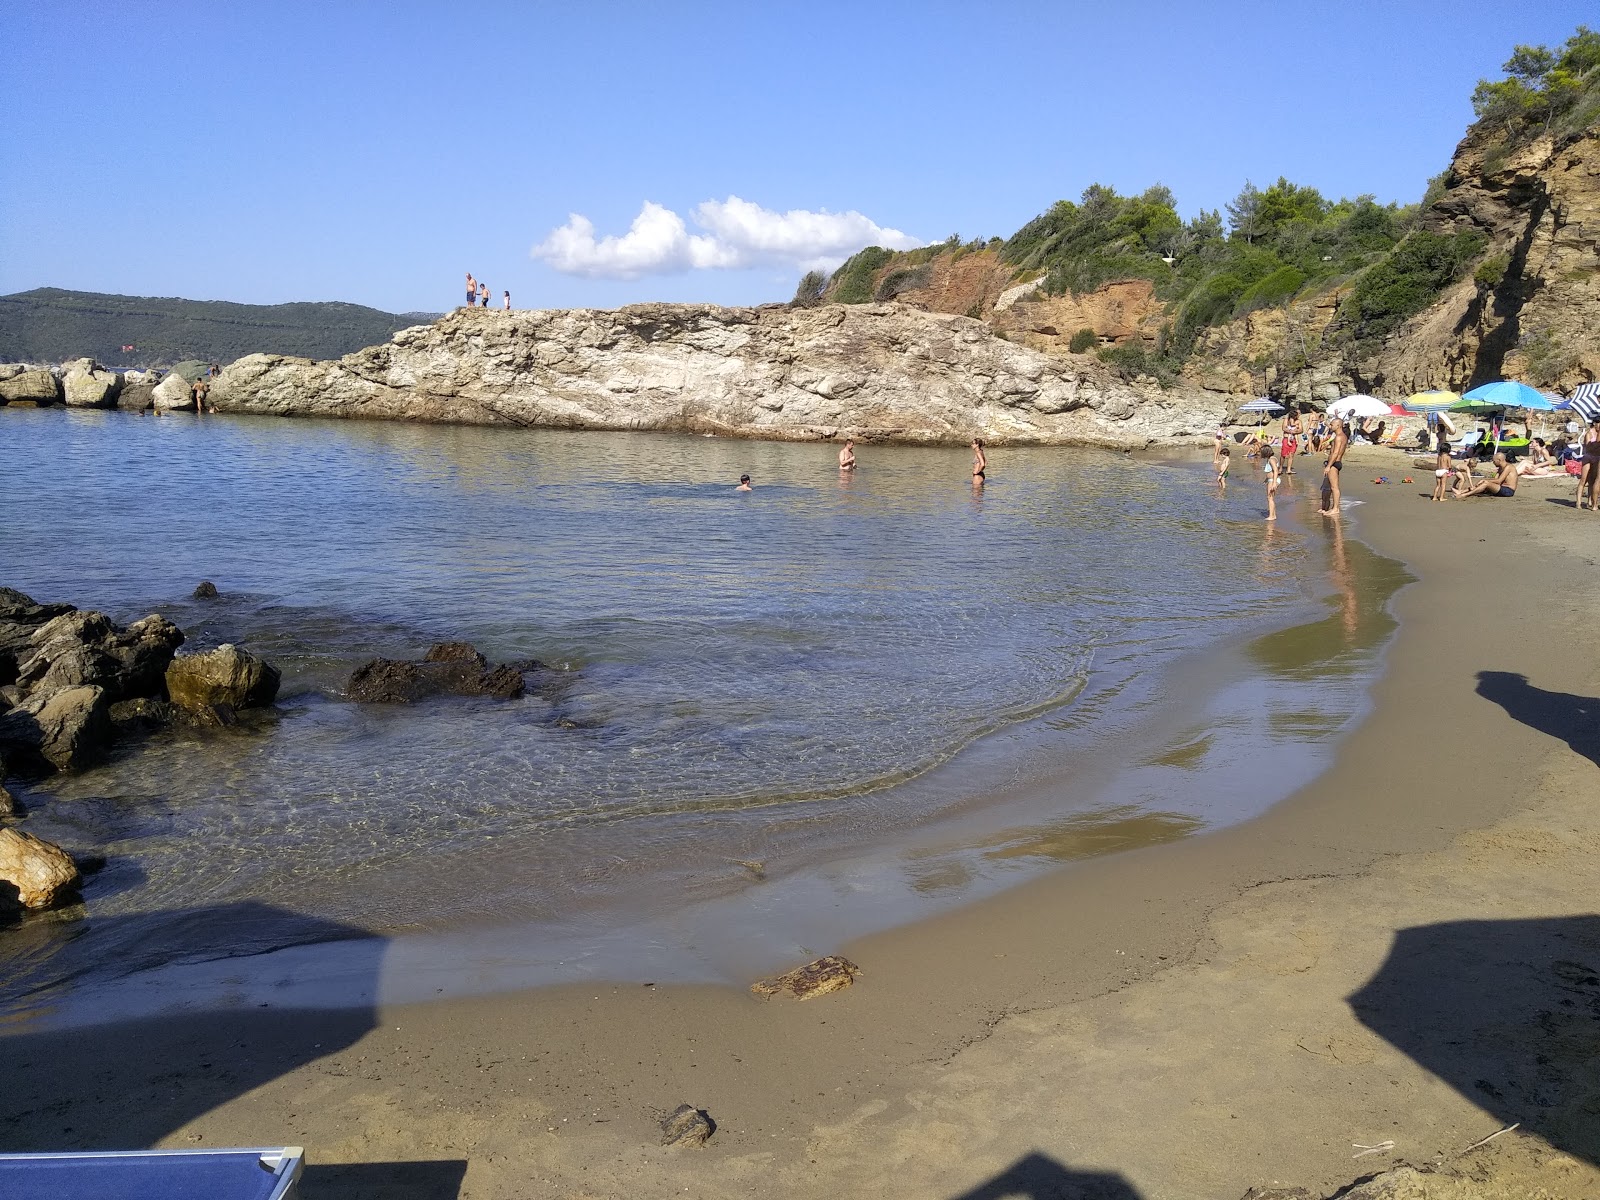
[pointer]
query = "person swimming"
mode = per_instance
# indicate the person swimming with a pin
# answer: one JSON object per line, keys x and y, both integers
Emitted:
{"x": 744, "y": 484}
{"x": 847, "y": 456}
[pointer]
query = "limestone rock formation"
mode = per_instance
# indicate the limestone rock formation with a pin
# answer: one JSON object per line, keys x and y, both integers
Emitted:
{"x": 881, "y": 371}
{"x": 172, "y": 393}
{"x": 85, "y": 647}
{"x": 35, "y": 385}
{"x": 88, "y": 386}
{"x": 34, "y": 873}
{"x": 224, "y": 676}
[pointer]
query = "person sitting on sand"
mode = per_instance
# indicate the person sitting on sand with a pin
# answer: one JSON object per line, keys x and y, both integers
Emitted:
{"x": 1224, "y": 461}
{"x": 1442, "y": 466}
{"x": 847, "y": 456}
{"x": 980, "y": 462}
{"x": 1504, "y": 482}
{"x": 1339, "y": 441}
{"x": 744, "y": 484}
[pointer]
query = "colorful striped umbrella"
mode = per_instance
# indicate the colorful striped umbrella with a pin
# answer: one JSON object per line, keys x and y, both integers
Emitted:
{"x": 1434, "y": 401}
{"x": 1585, "y": 401}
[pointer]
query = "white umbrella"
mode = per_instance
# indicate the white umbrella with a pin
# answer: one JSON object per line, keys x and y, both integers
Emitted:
{"x": 1359, "y": 406}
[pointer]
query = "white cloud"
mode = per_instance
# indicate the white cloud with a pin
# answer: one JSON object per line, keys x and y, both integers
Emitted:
{"x": 738, "y": 235}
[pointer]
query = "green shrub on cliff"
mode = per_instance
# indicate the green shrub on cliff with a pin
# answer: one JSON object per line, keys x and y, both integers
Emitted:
{"x": 852, "y": 282}
{"x": 1406, "y": 282}
{"x": 1083, "y": 341}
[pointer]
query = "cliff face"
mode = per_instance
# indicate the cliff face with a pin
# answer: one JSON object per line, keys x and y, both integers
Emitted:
{"x": 875, "y": 371}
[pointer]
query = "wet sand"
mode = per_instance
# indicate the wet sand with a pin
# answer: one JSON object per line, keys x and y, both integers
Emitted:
{"x": 1175, "y": 1022}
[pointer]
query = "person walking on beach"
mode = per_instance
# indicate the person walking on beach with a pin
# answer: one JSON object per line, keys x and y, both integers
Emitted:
{"x": 980, "y": 463}
{"x": 847, "y": 456}
{"x": 1589, "y": 467}
{"x": 1339, "y": 437}
{"x": 1290, "y": 445}
{"x": 1269, "y": 469}
{"x": 472, "y": 290}
{"x": 507, "y": 303}
{"x": 744, "y": 484}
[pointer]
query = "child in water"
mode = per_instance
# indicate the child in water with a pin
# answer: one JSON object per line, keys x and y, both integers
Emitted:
{"x": 1269, "y": 468}
{"x": 1224, "y": 461}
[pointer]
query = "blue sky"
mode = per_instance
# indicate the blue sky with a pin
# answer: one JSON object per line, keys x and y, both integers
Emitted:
{"x": 374, "y": 151}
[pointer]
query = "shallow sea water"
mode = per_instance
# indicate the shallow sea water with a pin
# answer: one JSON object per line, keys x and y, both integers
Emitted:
{"x": 832, "y": 703}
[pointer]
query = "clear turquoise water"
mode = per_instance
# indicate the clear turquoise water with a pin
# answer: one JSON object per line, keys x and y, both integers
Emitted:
{"x": 747, "y": 684}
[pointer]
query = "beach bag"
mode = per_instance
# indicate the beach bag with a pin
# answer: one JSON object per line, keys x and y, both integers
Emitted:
{"x": 1574, "y": 467}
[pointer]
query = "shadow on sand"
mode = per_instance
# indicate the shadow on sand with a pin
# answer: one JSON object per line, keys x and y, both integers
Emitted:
{"x": 76, "y": 1080}
{"x": 1040, "y": 1177}
{"x": 1572, "y": 719}
{"x": 1505, "y": 1012}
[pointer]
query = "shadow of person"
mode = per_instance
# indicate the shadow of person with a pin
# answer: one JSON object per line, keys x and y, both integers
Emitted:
{"x": 116, "y": 1032}
{"x": 1572, "y": 719}
{"x": 1040, "y": 1177}
{"x": 1505, "y": 1012}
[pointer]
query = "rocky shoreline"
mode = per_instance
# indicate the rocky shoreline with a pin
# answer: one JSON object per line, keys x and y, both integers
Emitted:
{"x": 878, "y": 372}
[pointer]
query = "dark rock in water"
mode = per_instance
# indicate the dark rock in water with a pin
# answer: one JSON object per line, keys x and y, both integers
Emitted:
{"x": 86, "y": 648}
{"x": 24, "y": 610}
{"x": 449, "y": 668}
{"x": 687, "y": 1125}
{"x": 455, "y": 652}
{"x": 136, "y": 397}
{"x": 219, "y": 716}
{"x": 387, "y": 681}
{"x": 206, "y": 591}
{"x": 525, "y": 665}
{"x": 144, "y": 715}
{"x": 503, "y": 683}
{"x": 68, "y": 729}
{"x": 226, "y": 675}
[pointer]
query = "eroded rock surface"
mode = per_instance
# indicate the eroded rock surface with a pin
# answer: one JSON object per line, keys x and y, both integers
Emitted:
{"x": 225, "y": 677}
{"x": 827, "y": 974}
{"x": 687, "y": 1125}
{"x": 880, "y": 370}
{"x": 34, "y": 873}
{"x": 448, "y": 668}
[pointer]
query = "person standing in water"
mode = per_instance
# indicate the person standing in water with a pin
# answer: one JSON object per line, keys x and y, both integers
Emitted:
{"x": 1339, "y": 438}
{"x": 1269, "y": 468}
{"x": 1224, "y": 461}
{"x": 847, "y": 456}
{"x": 472, "y": 290}
{"x": 744, "y": 484}
{"x": 980, "y": 462}
{"x": 1290, "y": 445}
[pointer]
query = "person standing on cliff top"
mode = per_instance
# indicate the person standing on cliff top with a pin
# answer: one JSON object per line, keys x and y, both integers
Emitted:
{"x": 483, "y": 294}
{"x": 847, "y": 456}
{"x": 472, "y": 290}
{"x": 507, "y": 304}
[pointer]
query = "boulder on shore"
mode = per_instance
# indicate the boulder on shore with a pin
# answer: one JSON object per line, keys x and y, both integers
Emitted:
{"x": 136, "y": 397}
{"x": 172, "y": 393}
{"x": 830, "y": 973}
{"x": 88, "y": 386}
{"x": 225, "y": 677}
{"x": 85, "y": 647}
{"x": 34, "y": 873}
{"x": 35, "y": 386}
{"x": 68, "y": 729}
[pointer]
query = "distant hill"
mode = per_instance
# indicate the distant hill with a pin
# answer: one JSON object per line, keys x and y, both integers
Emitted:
{"x": 53, "y": 325}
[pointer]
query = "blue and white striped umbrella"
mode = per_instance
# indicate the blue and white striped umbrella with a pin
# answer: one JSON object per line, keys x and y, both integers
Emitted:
{"x": 1585, "y": 401}
{"x": 1262, "y": 405}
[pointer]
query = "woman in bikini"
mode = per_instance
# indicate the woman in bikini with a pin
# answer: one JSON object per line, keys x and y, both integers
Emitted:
{"x": 1589, "y": 468}
{"x": 1269, "y": 468}
{"x": 980, "y": 463}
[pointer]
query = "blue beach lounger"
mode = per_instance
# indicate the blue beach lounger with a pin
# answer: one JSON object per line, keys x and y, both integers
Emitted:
{"x": 261, "y": 1174}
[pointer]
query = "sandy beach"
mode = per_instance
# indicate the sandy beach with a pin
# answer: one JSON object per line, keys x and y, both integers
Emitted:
{"x": 1397, "y": 962}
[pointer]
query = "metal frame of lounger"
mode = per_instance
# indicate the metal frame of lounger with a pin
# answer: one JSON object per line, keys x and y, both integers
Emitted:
{"x": 52, "y": 1176}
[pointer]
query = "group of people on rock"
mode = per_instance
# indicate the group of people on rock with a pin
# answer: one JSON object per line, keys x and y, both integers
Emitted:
{"x": 478, "y": 294}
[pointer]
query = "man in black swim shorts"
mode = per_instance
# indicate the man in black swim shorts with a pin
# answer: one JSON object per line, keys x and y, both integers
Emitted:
{"x": 1340, "y": 438}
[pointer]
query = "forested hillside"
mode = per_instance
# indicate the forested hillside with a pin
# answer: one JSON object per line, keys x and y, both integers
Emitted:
{"x": 50, "y": 325}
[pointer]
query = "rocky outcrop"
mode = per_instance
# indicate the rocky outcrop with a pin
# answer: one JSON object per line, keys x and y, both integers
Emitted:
{"x": 89, "y": 386}
{"x": 172, "y": 393}
{"x": 34, "y": 873}
{"x": 448, "y": 668}
{"x": 226, "y": 676}
{"x": 869, "y": 371}
{"x": 85, "y": 647}
{"x": 69, "y": 729}
{"x": 687, "y": 1125}
{"x": 33, "y": 385}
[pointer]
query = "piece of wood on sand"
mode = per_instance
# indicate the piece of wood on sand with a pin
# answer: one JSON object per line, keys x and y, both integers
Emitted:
{"x": 827, "y": 974}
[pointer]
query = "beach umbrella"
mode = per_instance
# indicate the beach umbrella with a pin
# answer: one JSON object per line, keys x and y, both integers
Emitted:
{"x": 1477, "y": 407}
{"x": 1585, "y": 401}
{"x": 1432, "y": 401}
{"x": 1262, "y": 405}
{"x": 1358, "y": 406}
{"x": 1510, "y": 394}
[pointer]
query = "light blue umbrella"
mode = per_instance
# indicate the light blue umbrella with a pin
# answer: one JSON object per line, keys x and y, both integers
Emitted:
{"x": 1508, "y": 394}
